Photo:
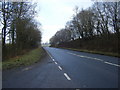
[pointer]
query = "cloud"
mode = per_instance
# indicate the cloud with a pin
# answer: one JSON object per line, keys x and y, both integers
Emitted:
{"x": 49, "y": 31}
{"x": 54, "y": 14}
{"x": 52, "y": 27}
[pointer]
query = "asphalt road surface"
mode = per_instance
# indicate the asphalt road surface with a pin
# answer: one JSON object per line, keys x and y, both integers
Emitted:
{"x": 63, "y": 68}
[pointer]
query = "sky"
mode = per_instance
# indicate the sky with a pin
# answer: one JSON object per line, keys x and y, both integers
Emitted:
{"x": 53, "y": 14}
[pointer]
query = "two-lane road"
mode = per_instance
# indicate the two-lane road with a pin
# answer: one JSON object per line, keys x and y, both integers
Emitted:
{"x": 63, "y": 68}
{"x": 87, "y": 70}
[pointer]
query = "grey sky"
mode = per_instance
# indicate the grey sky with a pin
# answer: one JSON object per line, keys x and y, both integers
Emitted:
{"x": 53, "y": 14}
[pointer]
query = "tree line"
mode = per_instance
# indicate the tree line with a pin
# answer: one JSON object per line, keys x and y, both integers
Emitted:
{"x": 102, "y": 19}
{"x": 20, "y": 31}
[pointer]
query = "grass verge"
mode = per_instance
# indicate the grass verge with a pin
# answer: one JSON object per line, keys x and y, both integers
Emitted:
{"x": 95, "y": 52}
{"x": 27, "y": 59}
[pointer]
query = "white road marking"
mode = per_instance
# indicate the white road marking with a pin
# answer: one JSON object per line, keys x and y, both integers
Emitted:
{"x": 49, "y": 55}
{"x": 68, "y": 78}
{"x": 86, "y": 57}
{"x": 59, "y": 67}
{"x": 53, "y": 59}
{"x": 95, "y": 59}
{"x": 25, "y": 69}
{"x": 112, "y": 64}
{"x": 98, "y": 59}
{"x": 55, "y": 62}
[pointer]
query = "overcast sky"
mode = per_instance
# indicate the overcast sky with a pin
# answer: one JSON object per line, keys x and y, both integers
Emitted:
{"x": 53, "y": 14}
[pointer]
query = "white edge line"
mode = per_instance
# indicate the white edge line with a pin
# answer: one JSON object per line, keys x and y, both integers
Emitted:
{"x": 95, "y": 59}
{"x": 86, "y": 57}
{"x": 68, "y": 78}
{"x": 27, "y": 68}
{"x": 98, "y": 59}
{"x": 112, "y": 64}
{"x": 59, "y": 67}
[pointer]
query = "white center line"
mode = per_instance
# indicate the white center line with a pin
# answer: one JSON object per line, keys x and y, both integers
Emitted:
{"x": 59, "y": 67}
{"x": 49, "y": 55}
{"x": 112, "y": 64}
{"x": 68, "y": 78}
{"x": 53, "y": 59}
{"x": 55, "y": 62}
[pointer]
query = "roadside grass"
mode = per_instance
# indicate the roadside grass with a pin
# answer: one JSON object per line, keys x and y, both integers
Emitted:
{"x": 95, "y": 52}
{"x": 29, "y": 58}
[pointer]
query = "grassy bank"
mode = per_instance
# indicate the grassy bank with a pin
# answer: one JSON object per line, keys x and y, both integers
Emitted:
{"x": 29, "y": 58}
{"x": 95, "y": 52}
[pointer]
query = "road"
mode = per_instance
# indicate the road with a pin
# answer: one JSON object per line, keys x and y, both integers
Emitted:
{"x": 63, "y": 68}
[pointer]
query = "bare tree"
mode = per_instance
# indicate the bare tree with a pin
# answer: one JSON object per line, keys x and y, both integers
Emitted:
{"x": 5, "y": 12}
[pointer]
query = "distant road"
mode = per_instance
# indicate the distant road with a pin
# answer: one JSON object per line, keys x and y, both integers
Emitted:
{"x": 63, "y": 68}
